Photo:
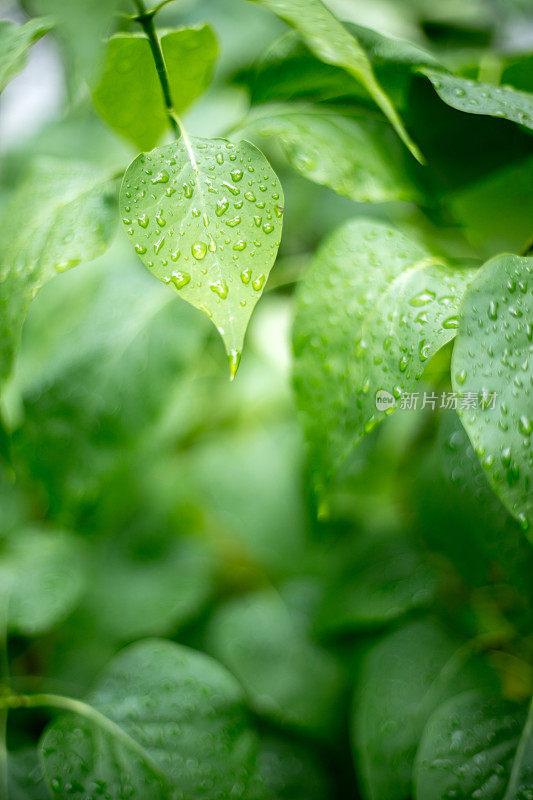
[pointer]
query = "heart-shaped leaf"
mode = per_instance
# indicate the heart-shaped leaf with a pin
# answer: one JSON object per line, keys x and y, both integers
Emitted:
{"x": 205, "y": 216}
{"x": 15, "y": 41}
{"x": 128, "y": 96}
{"x": 493, "y": 364}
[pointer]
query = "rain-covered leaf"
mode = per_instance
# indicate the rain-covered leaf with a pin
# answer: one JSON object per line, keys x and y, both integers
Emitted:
{"x": 354, "y": 156}
{"x": 25, "y": 780}
{"x": 129, "y": 97}
{"x": 332, "y": 43}
{"x": 15, "y": 41}
{"x": 493, "y": 365}
{"x": 404, "y": 678}
{"x": 286, "y": 676}
{"x": 42, "y": 575}
{"x": 475, "y": 97}
{"x": 205, "y": 216}
{"x": 475, "y": 745}
{"x": 373, "y": 308}
{"x": 163, "y": 722}
{"x": 63, "y": 213}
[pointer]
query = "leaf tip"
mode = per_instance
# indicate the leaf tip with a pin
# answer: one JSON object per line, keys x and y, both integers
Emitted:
{"x": 234, "y": 358}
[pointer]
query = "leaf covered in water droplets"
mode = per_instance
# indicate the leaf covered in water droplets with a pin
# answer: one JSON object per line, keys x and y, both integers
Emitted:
{"x": 475, "y": 97}
{"x": 372, "y": 310}
{"x": 493, "y": 364}
{"x": 471, "y": 748}
{"x": 63, "y": 213}
{"x": 205, "y": 216}
{"x": 165, "y": 722}
{"x": 15, "y": 41}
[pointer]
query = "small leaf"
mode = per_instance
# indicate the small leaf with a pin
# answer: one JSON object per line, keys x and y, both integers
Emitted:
{"x": 286, "y": 676}
{"x": 62, "y": 213}
{"x": 354, "y": 156}
{"x": 492, "y": 364}
{"x": 332, "y": 43}
{"x": 205, "y": 216}
{"x": 471, "y": 747}
{"x": 42, "y": 575}
{"x": 475, "y": 97}
{"x": 128, "y": 96}
{"x": 373, "y": 308}
{"x": 404, "y": 678}
{"x": 164, "y": 722}
{"x": 15, "y": 41}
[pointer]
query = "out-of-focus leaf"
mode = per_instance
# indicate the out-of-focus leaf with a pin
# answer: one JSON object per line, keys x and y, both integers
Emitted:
{"x": 289, "y": 771}
{"x": 475, "y": 97}
{"x": 205, "y": 217}
{"x": 42, "y": 575}
{"x": 128, "y": 95}
{"x": 25, "y": 780}
{"x": 164, "y": 721}
{"x": 373, "y": 308}
{"x": 15, "y": 41}
{"x": 354, "y": 156}
{"x": 404, "y": 678}
{"x": 474, "y": 744}
{"x": 493, "y": 365}
{"x": 286, "y": 676}
{"x": 332, "y": 43}
{"x": 63, "y": 213}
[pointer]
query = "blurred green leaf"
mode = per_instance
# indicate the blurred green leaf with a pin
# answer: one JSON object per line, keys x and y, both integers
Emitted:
{"x": 15, "y": 41}
{"x": 289, "y": 771}
{"x": 492, "y": 365}
{"x": 25, "y": 781}
{"x": 222, "y": 236}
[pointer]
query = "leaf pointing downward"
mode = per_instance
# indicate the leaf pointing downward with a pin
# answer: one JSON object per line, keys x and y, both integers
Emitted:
{"x": 206, "y": 216}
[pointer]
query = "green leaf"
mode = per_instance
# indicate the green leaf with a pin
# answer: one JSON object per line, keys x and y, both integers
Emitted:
{"x": 475, "y": 745}
{"x": 286, "y": 676}
{"x": 15, "y": 41}
{"x": 390, "y": 49}
{"x": 164, "y": 722}
{"x": 373, "y": 308}
{"x": 475, "y": 97}
{"x": 354, "y": 156}
{"x": 289, "y": 771}
{"x": 332, "y": 43}
{"x": 62, "y": 213}
{"x": 404, "y": 678}
{"x": 25, "y": 780}
{"x": 205, "y": 216}
{"x": 128, "y": 96}
{"x": 42, "y": 576}
{"x": 492, "y": 364}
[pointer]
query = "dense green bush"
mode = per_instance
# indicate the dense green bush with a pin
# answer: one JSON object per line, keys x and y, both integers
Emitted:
{"x": 272, "y": 588}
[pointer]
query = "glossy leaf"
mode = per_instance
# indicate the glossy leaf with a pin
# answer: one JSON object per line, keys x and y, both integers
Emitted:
{"x": 15, "y": 41}
{"x": 475, "y": 745}
{"x": 379, "y": 297}
{"x": 286, "y": 676}
{"x": 354, "y": 156}
{"x": 129, "y": 97}
{"x": 493, "y": 365}
{"x": 404, "y": 678}
{"x": 205, "y": 217}
{"x": 42, "y": 575}
{"x": 63, "y": 213}
{"x": 332, "y": 43}
{"x": 164, "y": 722}
{"x": 475, "y": 97}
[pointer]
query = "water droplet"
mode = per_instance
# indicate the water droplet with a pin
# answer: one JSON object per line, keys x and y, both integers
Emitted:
{"x": 259, "y": 282}
{"x": 222, "y": 206}
{"x": 268, "y": 228}
{"x": 159, "y": 244}
{"x": 236, "y": 174}
{"x": 525, "y": 425}
{"x": 493, "y": 310}
{"x": 403, "y": 363}
{"x": 180, "y": 279}
{"x": 139, "y": 248}
{"x": 451, "y": 323}
{"x": 246, "y": 274}
{"x": 220, "y": 288}
{"x": 240, "y": 245}
{"x": 234, "y": 358}
{"x": 199, "y": 249}
{"x": 143, "y": 221}
{"x": 422, "y": 298}
{"x": 161, "y": 177}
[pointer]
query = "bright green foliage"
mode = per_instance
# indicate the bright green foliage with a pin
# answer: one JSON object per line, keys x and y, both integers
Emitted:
{"x": 375, "y": 294}
{"x": 355, "y": 157}
{"x": 60, "y": 215}
{"x": 15, "y": 41}
{"x": 332, "y": 43}
{"x": 205, "y": 216}
{"x": 499, "y": 369}
{"x": 128, "y": 95}
{"x": 475, "y": 97}
{"x": 167, "y": 722}
{"x": 404, "y": 678}
{"x": 286, "y": 677}
{"x": 472, "y": 745}
{"x": 42, "y": 574}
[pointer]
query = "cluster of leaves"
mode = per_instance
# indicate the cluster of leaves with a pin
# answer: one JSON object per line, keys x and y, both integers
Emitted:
{"x": 350, "y": 619}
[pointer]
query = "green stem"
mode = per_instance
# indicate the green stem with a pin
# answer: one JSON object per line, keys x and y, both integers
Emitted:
{"x": 520, "y": 759}
{"x": 145, "y": 18}
{"x": 4, "y": 685}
